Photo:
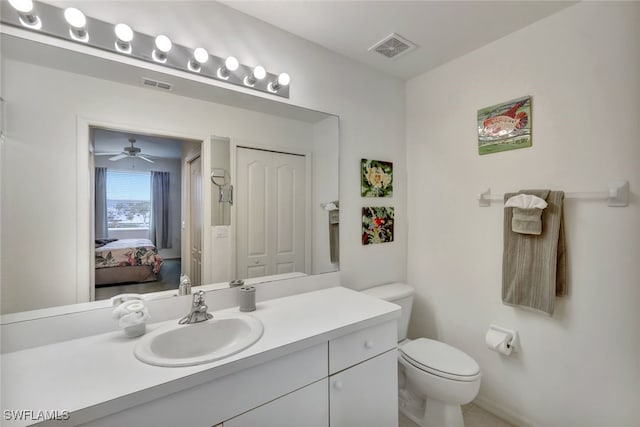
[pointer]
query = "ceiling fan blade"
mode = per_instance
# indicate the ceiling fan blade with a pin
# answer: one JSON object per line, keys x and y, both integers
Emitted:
{"x": 144, "y": 158}
{"x": 106, "y": 154}
{"x": 118, "y": 157}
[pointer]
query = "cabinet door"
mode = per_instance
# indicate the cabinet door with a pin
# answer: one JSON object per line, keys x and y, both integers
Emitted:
{"x": 308, "y": 407}
{"x": 366, "y": 394}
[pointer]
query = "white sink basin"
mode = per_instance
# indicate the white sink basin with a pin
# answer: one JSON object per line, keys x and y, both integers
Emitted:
{"x": 197, "y": 343}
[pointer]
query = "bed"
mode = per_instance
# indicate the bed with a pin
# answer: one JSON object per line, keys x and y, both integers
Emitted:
{"x": 126, "y": 261}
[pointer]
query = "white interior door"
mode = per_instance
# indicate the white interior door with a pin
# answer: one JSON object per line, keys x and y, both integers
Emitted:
{"x": 195, "y": 221}
{"x": 270, "y": 207}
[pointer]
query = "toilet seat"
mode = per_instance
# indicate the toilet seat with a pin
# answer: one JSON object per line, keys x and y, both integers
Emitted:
{"x": 440, "y": 359}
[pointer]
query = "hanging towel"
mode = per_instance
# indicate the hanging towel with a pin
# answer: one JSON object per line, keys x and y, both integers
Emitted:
{"x": 534, "y": 266}
{"x": 527, "y": 213}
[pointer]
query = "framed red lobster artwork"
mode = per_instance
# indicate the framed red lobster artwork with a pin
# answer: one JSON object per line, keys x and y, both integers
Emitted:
{"x": 505, "y": 126}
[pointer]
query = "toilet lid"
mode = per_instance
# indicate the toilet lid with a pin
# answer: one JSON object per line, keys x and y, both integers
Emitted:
{"x": 440, "y": 359}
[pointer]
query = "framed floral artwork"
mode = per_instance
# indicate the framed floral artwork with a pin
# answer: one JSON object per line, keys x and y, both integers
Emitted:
{"x": 376, "y": 178}
{"x": 377, "y": 225}
{"x": 505, "y": 126}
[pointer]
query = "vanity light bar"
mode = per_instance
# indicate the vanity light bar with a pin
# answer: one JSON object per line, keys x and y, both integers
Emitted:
{"x": 72, "y": 25}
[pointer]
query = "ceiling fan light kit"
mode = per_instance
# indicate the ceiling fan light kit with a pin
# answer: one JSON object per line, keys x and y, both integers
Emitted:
{"x": 132, "y": 152}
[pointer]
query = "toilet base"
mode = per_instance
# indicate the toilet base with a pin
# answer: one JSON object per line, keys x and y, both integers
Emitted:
{"x": 440, "y": 414}
{"x": 429, "y": 412}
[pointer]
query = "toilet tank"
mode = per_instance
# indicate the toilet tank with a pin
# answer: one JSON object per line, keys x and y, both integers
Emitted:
{"x": 397, "y": 293}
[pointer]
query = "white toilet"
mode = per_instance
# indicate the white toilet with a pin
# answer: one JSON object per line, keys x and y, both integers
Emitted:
{"x": 434, "y": 378}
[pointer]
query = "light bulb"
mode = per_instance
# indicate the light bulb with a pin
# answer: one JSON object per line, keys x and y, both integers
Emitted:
{"x": 259, "y": 73}
{"x": 124, "y": 32}
{"x": 22, "y": 6}
{"x": 284, "y": 79}
{"x": 124, "y": 35}
{"x": 26, "y": 14}
{"x": 231, "y": 63}
{"x": 163, "y": 43}
{"x": 75, "y": 17}
{"x": 201, "y": 55}
{"x": 77, "y": 22}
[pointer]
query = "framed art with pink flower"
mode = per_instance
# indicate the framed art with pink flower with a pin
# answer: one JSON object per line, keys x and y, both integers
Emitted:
{"x": 377, "y": 225}
{"x": 376, "y": 178}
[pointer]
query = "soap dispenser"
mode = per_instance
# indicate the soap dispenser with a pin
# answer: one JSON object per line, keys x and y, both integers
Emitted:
{"x": 184, "y": 287}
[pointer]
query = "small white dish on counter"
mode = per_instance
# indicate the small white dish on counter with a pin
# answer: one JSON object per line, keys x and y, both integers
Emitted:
{"x": 198, "y": 343}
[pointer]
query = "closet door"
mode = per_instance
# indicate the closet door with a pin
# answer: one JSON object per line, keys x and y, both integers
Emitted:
{"x": 270, "y": 205}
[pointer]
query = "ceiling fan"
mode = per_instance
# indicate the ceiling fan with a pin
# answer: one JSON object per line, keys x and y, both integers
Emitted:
{"x": 128, "y": 152}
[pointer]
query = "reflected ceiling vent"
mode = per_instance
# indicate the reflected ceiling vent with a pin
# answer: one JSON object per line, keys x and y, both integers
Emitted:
{"x": 155, "y": 83}
{"x": 393, "y": 46}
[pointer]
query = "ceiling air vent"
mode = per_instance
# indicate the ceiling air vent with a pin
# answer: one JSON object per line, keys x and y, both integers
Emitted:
{"x": 393, "y": 46}
{"x": 154, "y": 83}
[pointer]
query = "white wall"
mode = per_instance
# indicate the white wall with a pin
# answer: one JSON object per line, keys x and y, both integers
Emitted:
{"x": 580, "y": 367}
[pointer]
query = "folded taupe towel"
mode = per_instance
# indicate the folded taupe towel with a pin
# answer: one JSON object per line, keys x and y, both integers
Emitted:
{"x": 527, "y": 213}
{"x": 527, "y": 221}
{"x": 533, "y": 266}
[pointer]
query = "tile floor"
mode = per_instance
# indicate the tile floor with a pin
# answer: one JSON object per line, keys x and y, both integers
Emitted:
{"x": 474, "y": 416}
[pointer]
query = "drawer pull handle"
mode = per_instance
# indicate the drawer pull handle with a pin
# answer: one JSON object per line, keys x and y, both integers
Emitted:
{"x": 368, "y": 344}
{"x": 338, "y": 385}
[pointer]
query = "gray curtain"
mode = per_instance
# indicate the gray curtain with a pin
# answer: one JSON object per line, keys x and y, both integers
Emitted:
{"x": 159, "y": 226}
{"x": 102, "y": 228}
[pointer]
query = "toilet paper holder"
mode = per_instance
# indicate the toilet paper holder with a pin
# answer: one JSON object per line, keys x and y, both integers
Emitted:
{"x": 512, "y": 340}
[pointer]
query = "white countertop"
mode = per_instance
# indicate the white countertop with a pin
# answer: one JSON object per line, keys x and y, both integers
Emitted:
{"x": 93, "y": 376}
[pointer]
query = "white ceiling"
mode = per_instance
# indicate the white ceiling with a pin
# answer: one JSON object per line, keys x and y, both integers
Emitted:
{"x": 443, "y": 30}
{"x": 108, "y": 141}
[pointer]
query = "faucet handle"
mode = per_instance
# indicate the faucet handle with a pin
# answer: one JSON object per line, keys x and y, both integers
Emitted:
{"x": 198, "y": 298}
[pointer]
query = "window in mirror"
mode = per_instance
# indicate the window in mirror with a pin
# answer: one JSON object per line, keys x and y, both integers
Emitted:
{"x": 128, "y": 200}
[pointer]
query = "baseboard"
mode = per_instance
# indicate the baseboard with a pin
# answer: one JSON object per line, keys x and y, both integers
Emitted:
{"x": 509, "y": 416}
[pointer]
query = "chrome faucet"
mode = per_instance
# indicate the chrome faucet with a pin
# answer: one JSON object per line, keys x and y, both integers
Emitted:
{"x": 198, "y": 311}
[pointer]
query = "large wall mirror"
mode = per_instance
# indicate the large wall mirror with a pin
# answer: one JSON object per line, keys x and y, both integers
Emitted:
{"x": 111, "y": 186}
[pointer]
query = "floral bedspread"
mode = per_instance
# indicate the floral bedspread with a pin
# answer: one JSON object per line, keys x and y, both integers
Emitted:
{"x": 129, "y": 252}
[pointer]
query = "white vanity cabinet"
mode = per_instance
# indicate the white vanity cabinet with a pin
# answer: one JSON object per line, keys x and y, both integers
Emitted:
{"x": 363, "y": 385}
{"x": 326, "y": 359}
{"x": 361, "y": 390}
{"x": 347, "y": 382}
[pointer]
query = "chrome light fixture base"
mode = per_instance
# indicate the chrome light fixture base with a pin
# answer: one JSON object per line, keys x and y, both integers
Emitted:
{"x": 49, "y": 20}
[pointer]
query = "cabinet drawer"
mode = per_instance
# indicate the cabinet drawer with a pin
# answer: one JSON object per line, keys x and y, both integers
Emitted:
{"x": 350, "y": 349}
{"x": 308, "y": 407}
